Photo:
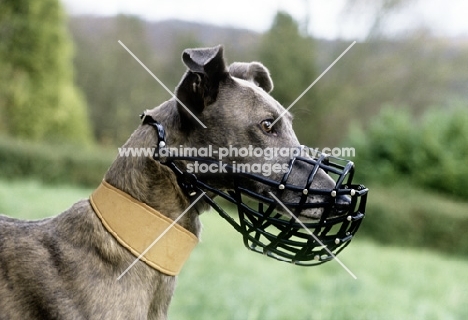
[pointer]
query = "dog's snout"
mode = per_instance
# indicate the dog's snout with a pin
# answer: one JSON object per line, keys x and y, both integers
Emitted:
{"x": 342, "y": 204}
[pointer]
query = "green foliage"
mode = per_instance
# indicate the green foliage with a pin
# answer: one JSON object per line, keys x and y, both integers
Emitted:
{"x": 431, "y": 152}
{"x": 399, "y": 71}
{"x": 37, "y": 97}
{"x": 403, "y": 215}
{"x": 283, "y": 49}
{"x": 291, "y": 58}
{"x": 380, "y": 72}
{"x": 71, "y": 164}
{"x": 117, "y": 87}
{"x": 226, "y": 281}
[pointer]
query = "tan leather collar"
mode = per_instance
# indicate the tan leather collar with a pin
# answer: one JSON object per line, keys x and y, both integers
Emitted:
{"x": 136, "y": 225}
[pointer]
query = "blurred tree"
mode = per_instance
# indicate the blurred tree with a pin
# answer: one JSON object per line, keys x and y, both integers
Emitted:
{"x": 290, "y": 57}
{"x": 117, "y": 87}
{"x": 407, "y": 67}
{"x": 173, "y": 68}
{"x": 431, "y": 151}
{"x": 38, "y": 99}
{"x": 417, "y": 71}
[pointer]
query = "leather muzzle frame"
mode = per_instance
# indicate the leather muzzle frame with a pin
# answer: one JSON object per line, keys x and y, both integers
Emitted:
{"x": 135, "y": 226}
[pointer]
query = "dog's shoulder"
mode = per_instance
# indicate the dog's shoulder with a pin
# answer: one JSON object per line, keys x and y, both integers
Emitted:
{"x": 4, "y": 219}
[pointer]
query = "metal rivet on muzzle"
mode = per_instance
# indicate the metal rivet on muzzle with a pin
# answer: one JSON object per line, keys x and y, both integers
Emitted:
{"x": 264, "y": 230}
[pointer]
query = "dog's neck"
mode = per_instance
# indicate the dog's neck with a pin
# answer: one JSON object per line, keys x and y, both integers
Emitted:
{"x": 151, "y": 182}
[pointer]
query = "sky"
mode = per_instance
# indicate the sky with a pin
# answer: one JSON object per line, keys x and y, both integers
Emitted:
{"x": 328, "y": 19}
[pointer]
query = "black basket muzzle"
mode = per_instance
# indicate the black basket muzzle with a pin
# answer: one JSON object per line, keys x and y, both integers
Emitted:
{"x": 266, "y": 226}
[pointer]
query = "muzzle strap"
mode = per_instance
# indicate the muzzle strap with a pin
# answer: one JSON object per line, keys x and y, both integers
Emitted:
{"x": 135, "y": 226}
{"x": 264, "y": 228}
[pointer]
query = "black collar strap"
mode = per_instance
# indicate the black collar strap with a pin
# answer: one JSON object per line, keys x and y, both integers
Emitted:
{"x": 187, "y": 181}
{"x": 149, "y": 120}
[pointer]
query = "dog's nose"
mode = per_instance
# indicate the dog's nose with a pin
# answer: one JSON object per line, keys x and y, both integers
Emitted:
{"x": 342, "y": 204}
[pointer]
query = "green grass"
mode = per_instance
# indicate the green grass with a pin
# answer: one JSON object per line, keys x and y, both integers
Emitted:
{"x": 33, "y": 200}
{"x": 223, "y": 280}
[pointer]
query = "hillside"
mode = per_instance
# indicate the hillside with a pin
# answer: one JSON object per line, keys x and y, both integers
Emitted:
{"x": 417, "y": 72}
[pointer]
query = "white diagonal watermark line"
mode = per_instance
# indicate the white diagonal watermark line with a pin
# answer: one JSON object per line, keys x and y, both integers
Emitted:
{"x": 162, "y": 84}
{"x": 313, "y": 83}
{"x": 313, "y": 235}
{"x": 160, "y": 236}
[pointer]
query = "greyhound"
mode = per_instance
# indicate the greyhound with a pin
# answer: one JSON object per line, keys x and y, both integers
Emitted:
{"x": 66, "y": 267}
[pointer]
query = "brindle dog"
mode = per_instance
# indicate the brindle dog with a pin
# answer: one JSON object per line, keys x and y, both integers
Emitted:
{"x": 66, "y": 267}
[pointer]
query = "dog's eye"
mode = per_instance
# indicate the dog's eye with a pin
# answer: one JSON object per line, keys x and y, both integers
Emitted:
{"x": 266, "y": 126}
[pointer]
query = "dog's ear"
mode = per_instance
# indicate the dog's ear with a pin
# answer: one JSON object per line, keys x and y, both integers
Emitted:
{"x": 199, "y": 86}
{"x": 254, "y": 72}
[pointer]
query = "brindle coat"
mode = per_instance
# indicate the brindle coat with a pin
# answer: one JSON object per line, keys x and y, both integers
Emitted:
{"x": 66, "y": 267}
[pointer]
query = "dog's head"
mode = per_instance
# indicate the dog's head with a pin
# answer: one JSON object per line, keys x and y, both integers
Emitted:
{"x": 235, "y": 106}
{"x": 225, "y": 128}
